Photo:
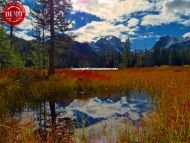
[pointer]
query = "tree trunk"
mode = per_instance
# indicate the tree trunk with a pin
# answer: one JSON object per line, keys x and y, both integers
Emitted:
{"x": 52, "y": 110}
{"x": 11, "y": 36}
{"x": 51, "y": 70}
{"x": 43, "y": 53}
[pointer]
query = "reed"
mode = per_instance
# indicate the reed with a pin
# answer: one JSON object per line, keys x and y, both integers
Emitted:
{"x": 169, "y": 86}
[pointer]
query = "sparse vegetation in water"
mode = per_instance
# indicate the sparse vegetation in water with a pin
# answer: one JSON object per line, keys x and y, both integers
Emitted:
{"x": 170, "y": 87}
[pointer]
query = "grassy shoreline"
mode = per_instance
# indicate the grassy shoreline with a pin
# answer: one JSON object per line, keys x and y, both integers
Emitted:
{"x": 170, "y": 86}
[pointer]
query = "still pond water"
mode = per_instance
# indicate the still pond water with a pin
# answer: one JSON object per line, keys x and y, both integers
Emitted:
{"x": 77, "y": 113}
{"x": 92, "y": 111}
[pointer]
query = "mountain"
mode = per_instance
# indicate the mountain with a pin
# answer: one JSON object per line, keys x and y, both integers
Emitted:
{"x": 70, "y": 53}
{"x": 105, "y": 52}
{"x": 170, "y": 51}
{"x": 103, "y": 44}
{"x": 167, "y": 42}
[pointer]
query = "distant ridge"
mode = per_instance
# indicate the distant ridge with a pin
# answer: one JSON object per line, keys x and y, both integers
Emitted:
{"x": 168, "y": 42}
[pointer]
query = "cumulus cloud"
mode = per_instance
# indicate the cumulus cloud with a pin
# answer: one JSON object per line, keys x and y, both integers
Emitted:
{"x": 180, "y": 7}
{"x": 162, "y": 18}
{"x": 23, "y": 34}
{"x": 119, "y": 17}
{"x": 25, "y": 27}
{"x": 133, "y": 22}
{"x": 26, "y": 24}
{"x": 186, "y": 22}
{"x": 94, "y": 30}
{"x": 111, "y": 12}
{"x": 186, "y": 35}
{"x": 168, "y": 11}
{"x": 111, "y": 9}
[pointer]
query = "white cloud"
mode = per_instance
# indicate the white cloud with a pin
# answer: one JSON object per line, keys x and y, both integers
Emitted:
{"x": 113, "y": 12}
{"x": 162, "y": 18}
{"x": 25, "y": 27}
{"x": 133, "y": 22}
{"x": 94, "y": 30}
{"x": 27, "y": 9}
{"x": 186, "y": 22}
{"x": 28, "y": 21}
{"x": 118, "y": 11}
{"x": 168, "y": 11}
{"x": 186, "y": 35}
{"x": 26, "y": 24}
{"x": 23, "y": 35}
{"x": 180, "y": 7}
{"x": 111, "y": 9}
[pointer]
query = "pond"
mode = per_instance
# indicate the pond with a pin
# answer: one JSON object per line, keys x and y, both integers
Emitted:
{"x": 70, "y": 115}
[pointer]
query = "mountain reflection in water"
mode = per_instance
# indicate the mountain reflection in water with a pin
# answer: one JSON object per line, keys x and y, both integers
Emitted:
{"x": 61, "y": 118}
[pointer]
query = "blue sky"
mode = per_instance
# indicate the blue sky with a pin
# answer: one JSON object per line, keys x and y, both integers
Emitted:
{"x": 143, "y": 21}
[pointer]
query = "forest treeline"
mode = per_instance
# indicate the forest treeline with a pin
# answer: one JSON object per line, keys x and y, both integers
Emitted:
{"x": 156, "y": 56}
{"x": 29, "y": 54}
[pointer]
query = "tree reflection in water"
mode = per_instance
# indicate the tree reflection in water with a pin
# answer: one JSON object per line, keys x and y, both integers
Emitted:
{"x": 52, "y": 128}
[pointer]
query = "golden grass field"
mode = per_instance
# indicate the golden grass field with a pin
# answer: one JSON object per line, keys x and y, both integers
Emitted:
{"x": 169, "y": 86}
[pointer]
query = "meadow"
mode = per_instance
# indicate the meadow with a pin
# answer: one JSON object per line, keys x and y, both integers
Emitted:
{"x": 168, "y": 86}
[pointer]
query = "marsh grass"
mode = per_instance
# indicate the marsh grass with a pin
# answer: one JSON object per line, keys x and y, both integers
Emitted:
{"x": 169, "y": 86}
{"x": 14, "y": 132}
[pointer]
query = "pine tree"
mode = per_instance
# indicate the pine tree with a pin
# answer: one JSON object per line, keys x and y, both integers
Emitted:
{"x": 127, "y": 55}
{"x": 8, "y": 56}
{"x": 110, "y": 57}
{"x": 56, "y": 11}
{"x": 139, "y": 58}
{"x": 40, "y": 28}
{"x": 157, "y": 56}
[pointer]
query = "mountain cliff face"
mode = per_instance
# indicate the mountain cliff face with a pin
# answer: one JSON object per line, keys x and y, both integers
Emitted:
{"x": 170, "y": 51}
{"x": 103, "y": 44}
{"x": 70, "y": 53}
{"x": 167, "y": 42}
{"x": 75, "y": 54}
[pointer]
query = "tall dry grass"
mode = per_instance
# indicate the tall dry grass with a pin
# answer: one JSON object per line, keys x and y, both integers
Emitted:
{"x": 169, "y": 86}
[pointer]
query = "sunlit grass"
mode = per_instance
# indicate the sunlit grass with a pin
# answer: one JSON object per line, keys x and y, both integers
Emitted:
{"x": 169, "y": 86}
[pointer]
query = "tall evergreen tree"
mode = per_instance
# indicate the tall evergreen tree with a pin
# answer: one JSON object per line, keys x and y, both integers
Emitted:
{"x": 110, "y": 62}
{"x": 58, "y": 10}
{"x": 157, "y": 56}
{"x": 40, "y": 14}
{"x": 127, "y": 55}
{"x": 8, "y": 56}
{"x": 56, "y": 19}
